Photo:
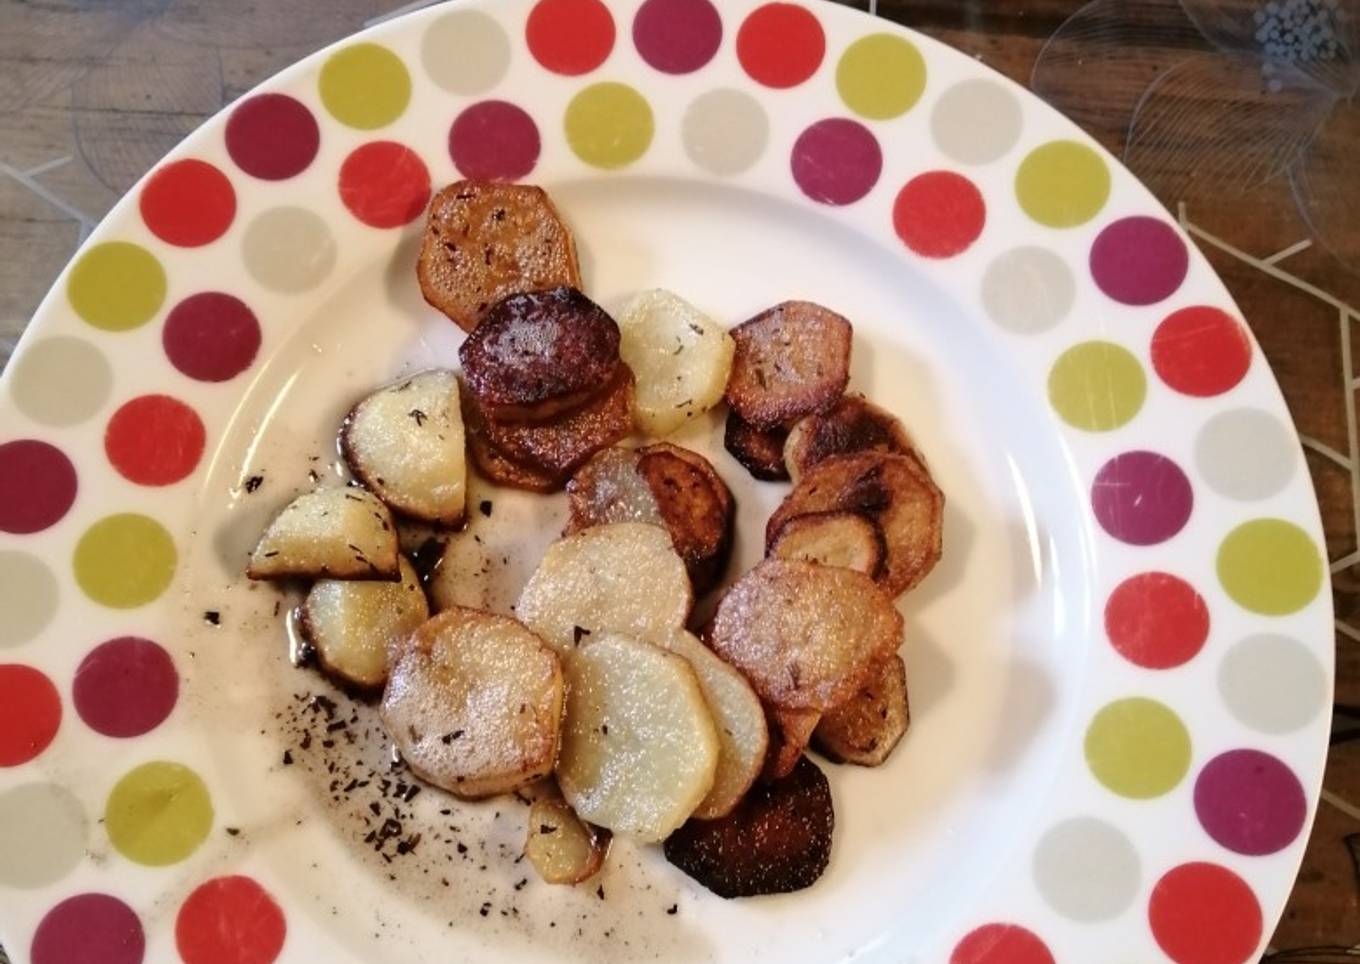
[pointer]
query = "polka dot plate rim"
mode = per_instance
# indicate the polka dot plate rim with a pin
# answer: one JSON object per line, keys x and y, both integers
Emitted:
{"x": 1121, "y": 747}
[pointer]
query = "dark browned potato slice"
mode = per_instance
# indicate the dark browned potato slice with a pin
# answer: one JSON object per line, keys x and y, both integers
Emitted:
{"x": 538, "y": 354}
{"x": 701, "y": 463}
{"x": 494, "y": 465}
{"x": 485, "y": 241}
{"x": 777, "y": 840}
{"x": 843, "y": 539}
{"x": 867, "y": 727}
{"x": 760, "y": 450}
{"x": 805, "y": 636}
{"x": 696, "y": 506}
{"x": 894, "y": 491}
{"x": 851, "y": 425}
{"x": 790, "y": 733}
{"x": 329, "y": 534}
{"x": 791, "y": 360}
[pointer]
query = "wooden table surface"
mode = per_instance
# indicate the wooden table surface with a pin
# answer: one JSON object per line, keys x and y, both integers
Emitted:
{"x": 1253, "y": 139}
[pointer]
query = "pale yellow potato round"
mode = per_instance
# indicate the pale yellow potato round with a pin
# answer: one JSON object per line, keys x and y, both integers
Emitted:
{"x": 680, "y": 356}
{"x": 639, "y": 746}
{"x": 563, "y": 848}
{"x": 352, "y": 624}
{"x": 342, "y": 533}
{"x": 624, "y": 577}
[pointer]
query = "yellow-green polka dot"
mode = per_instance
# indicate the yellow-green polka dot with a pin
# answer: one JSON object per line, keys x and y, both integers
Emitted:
{"x": 365, "y": 86}
{"x": 1138, "y": 748}
{"x": 1062, "y": 184}
{"x": 881, "y": 76}
{"x": 609, "y": 125}
{"x": 124, "y": 561}
{"x": 158, "y": 814}
{"x": 1270, "y": 566}
{"x": 1097, "y": 386}
{"x": 116, "y": 286}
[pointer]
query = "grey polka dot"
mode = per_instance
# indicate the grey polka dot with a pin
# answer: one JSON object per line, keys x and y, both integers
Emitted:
{"x": 1273, "y": 684}
{"x": 61, "y": 381}
{"x": 1087, "y": 870}
{"x": 976, "y": 122}
{"x": 28, "y": 597}
{"x": 725, "y": 131}
{"x": 1028, "y": 290}
{"x": 288, "y": 249}
{"x": 42, "y": 834}
{"x": 1246, "y": 454}
{"x": 465, "y": 52}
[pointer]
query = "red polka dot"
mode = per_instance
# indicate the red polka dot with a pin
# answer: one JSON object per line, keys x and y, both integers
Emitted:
{"x": 230, "y": 920}
{"x": 570, "y": 37}
{"x": 1201, "y": 351}
{"x": 1205, "y": 914}
{"x": 211, "y": 336}
{"x": 37, "y": 486}
{"x": 89, "y": 929}
{"x": 272, "y": 136}
{"x": 781, "y": 45}
{"x": 125, "y": 687}
{"x": 384, "y": 184}
{"x": 1001, "y": 944}
{"x": 188, "y": 203}
{"x": 494, "y": 141}
{"x": 30, "y": 713}
{"x": 154, "y": 440}
{"x": 939, "y": 214}
{"x": 1156, "y": 620}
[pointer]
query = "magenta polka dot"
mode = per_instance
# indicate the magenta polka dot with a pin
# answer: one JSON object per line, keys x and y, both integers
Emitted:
{"x": 1250, "y": 802}
{"x": 1142, "y": 498}
{"x": 677, "y": 36}
{"x": 836, "y": 161}
{"x": 89, "y": 929}
{"x": 125, "y": 687}
{"x": 272, "y": 136}
{"x": 1139, "y": 261}
{"x": 494, "y": 141}
{"x": 211, "y": 336}
{"x": 37, "y": 486}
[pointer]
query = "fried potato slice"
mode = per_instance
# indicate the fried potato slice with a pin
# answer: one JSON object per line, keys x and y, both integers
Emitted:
{"x": 474, "y": 703}
{"x": 759, "y": 450}
{"x": 743, "y": 736}
{"x": 639, "y": 747}
{"x": 866, "y": 728}
{"x": 696, "y": 507}
{"x": 843, "y": 539}
{"x": 791, "y": 360}
{"x": 496, "y": 467}
{"x": 353, "y": 624}
{"x": 805, "y": 636}
{"x": 538, "y": 354}
{"x": 344, "y": 533}
{"x": 680, "y": 356}
{"x": 791, "y": 731}
{"x": 895, "y": 491}
{"x": 609, "y": 488}
{"x": 776, "y": 841}
{"x": 853, "y": 424}
{"x": 625, "y": 577}
{"x": 484, "y": 241}
{"x": 701, "y": 463}
{"x": 563, "y": 848}
{"x": 405, "y": 443}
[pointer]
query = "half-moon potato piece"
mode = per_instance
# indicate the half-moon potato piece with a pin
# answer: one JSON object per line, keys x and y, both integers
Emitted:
{"x": 474, "y": 703}
{"x": 563, "y": 848}
{"x": 405, "y": 443}
{"x": 843, "y": 539}
{"x": 866, "y": 728}
{"x": 853, "y": 424}
{"x": 791, "y": 360}
{"x": 341, "y": 533}
{"x": 639, "y": 748}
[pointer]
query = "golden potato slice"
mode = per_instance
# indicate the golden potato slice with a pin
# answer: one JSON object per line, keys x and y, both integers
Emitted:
{"x": 353, "y": 624}
{"x": 740, "y": 719}
{"x": 894, "y": 491}
{"x": 866, "y": 728}
{"x": 790, "y": 733}
{"x": 624, "y": 577}
{"x": 791, "y": 360}
{"x": 474, "y": 703}
{"x": 484, "y": 241}
{"x": 805, "y": 636}
{"x": 842, "y": 539}
{"x": 680, "y": 356}
{"x": 563, "y": 848}
{"x": 759, "y": 450}
{"x": 405, "y": 443}
{"x": 639, "y": 748}
{"x": 851, "y": 425}
{"x": 776, "y": 841}
{"x": 344, "y": 533}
